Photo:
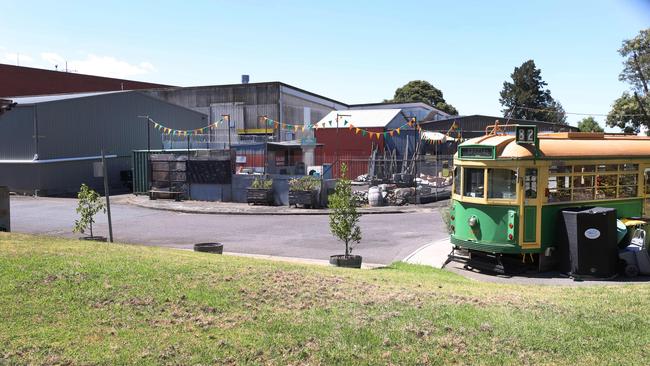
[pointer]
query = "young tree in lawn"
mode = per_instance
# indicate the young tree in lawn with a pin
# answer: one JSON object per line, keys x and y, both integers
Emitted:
{"x": 90, "y": 204}
{"x": 589, "y": 124}
{"x": 344, "y": 218}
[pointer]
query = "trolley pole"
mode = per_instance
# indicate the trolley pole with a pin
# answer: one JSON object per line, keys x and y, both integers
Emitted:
{"x": 337, "y": 139}
{"x": 108, "y": 201}
{"x": 266, "y": 141}
{"x": 227, "y": 118}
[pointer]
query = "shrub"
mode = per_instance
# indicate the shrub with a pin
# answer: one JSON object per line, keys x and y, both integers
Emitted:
{"x": 262, "y": 183}
{"x": 306, "y": 183}
{"x": 344, "y": 218}
{"x": 90, "y": 204}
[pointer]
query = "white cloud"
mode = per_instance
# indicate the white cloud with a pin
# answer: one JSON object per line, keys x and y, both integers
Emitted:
{"x": 88, "y": 64}
{"x": 13, "y": 58}
{"x": 109, "y": 66}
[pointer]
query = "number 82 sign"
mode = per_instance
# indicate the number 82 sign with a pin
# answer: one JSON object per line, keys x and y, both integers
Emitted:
{"x": 526, "y": 134}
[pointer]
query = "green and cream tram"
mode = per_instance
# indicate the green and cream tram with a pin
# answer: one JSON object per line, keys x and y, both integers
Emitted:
{"x": 509, "y": 188}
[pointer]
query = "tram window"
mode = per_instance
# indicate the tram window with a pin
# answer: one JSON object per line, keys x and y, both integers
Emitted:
{"x": 502, "y": 183}
{"x": 559, "y": 189}
{"x": 584, "y": 168}
{"x": 627, "y": 191}
{"x": 474, "y": 182}
{"x": 629, "y": 167}
{"x": 457, "y": 180}
{"x": 530, "y": 183}
{"x": 607, "y": 168}
{"x": 583, "y": 181}
{"x": 627, "y": 179}
{"x": 647, "y": 181}
{"x": 559, "y": 169}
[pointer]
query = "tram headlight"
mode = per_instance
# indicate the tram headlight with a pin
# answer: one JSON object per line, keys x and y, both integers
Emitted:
{"x": 473, "y": 221}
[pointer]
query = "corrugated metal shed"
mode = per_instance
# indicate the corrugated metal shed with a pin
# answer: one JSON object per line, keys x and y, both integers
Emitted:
{"x": 49, "y": 143}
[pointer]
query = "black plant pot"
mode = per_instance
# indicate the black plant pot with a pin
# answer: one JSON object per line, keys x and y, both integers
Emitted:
{"x": 347, "y": 261}
{"x": 94, "y": 238}
{"x": 216, "y": 248}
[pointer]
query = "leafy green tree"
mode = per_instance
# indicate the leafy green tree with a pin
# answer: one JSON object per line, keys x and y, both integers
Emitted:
{"x": 423, "y": 91}
{"x": 90, "y": 204}
{"x": 632, "y": 109}
{"x": 344, "y": 218}
{"x": 527, "y": 97}
{"x": 589, "y": 124}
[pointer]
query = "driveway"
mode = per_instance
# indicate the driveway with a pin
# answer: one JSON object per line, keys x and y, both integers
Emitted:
{"x": 386, "y": 237}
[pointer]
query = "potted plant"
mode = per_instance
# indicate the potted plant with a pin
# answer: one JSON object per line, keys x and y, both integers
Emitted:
{"x": 260, "y": 191}
{"x": 344, "y": 221}
{"x": 90, "y": 204}
{"x": 302, "y": 191}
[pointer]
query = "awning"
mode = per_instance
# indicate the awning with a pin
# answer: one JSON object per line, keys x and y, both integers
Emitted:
{"x": 434, "y": 136}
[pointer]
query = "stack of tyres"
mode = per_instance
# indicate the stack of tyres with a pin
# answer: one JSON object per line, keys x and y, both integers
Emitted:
{"x": 588, "y": 242}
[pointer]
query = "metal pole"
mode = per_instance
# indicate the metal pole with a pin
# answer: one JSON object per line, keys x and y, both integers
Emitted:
{"x": 227, "y": 118}
{"x": 266, "y": 142}
{"x": 108, "y": 201}
{"x": 187, "y": 163}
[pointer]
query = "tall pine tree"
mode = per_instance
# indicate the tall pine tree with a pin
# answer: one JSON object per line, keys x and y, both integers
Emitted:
{"x": 632, "y": 109}
{"x": 527, "y": 97}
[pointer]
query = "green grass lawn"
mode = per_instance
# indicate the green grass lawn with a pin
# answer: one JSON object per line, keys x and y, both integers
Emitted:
{"x": 71, "y": 302}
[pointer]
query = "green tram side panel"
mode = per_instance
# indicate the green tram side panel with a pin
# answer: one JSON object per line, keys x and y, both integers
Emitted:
{"x": 492, "y": 232}
{"x": 626, "y": 208}
{"x": 530, "y": 224}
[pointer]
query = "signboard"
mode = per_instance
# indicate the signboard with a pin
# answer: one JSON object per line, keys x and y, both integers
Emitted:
{"x": 209, "y": 171}
{"x": 5, "y": 222}
{"x": 476, "y": 152}
{"x": 526, "y": 135}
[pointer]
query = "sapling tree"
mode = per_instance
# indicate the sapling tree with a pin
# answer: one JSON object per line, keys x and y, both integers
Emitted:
{"x": 90, "y": 204}
{"x": 344, "y": 218}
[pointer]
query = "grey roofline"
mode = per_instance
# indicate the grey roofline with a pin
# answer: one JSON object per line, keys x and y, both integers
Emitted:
{"x": 264, "y": 83}
{"x": 496, "y": 117}
{"x": 101, "y": 94}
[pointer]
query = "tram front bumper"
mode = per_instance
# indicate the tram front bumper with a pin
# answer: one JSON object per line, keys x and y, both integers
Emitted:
{"x": 503, "y": 248}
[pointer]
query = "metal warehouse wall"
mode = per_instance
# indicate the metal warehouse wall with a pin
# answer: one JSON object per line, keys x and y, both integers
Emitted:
{"x": 257, "y": 99}
{"x": 80, "y": 127}
{"x": 17, "y": 134}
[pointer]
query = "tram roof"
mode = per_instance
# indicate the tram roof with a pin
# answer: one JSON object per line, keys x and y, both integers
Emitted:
{"x": 567, "y": 145}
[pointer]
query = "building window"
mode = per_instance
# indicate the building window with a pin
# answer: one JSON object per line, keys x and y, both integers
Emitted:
{"x": 474, "y": 182}
{"x": 502, "y": 183}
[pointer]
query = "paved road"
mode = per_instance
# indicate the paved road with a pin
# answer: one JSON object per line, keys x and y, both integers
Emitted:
{"x": 386, "y": 238}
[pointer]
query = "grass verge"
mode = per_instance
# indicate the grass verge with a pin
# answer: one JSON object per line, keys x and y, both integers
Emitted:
{"x": 71, "y": 302}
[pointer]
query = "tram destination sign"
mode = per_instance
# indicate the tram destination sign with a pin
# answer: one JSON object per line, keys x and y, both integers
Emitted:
{"x": 476, "y": 152}
{"x": 526, "y": 135}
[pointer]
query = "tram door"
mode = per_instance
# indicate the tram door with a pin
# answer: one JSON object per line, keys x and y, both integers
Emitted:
{"x": 646, "y": 193}
{"x": 530, "y": 209}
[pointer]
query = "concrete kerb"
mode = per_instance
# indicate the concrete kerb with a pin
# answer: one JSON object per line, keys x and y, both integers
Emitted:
{"x": 272, "y": 210}
{"x": 295, "y": 260}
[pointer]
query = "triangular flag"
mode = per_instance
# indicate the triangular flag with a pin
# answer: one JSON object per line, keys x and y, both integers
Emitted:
{"x": 357, "y": 130}
{"x": 363, "y": 132}
{"x": 350, "y": 126}
{"x": 385, "y": 135}
{"x": 345, "y": 122}
{"x": 391, "y": 133}
{"x": 275, "y": 124}
{"x": 296, "y": 127}
{"x": 397, "y": 131}
{"x": 378, "y": 135}
{"x": 330, "y": 123}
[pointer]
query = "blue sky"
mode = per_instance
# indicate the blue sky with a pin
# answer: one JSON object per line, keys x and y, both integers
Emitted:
{"x": 352, "y": 51}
